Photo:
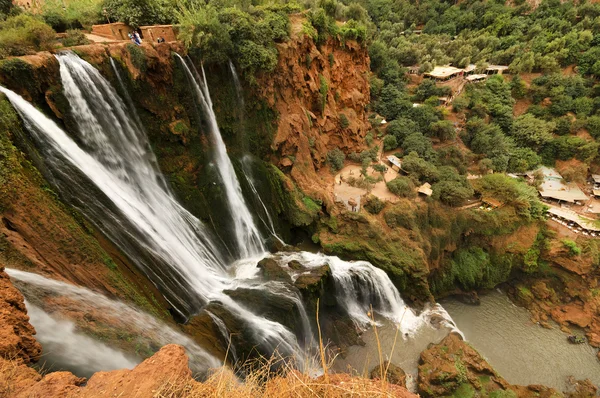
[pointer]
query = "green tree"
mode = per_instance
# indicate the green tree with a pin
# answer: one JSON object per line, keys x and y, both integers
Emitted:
{"x": 531, "y": 131}
{"x": 402, "y": 186}
{"x": 389, "y": 142}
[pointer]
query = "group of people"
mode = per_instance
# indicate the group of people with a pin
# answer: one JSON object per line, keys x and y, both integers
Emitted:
{"x": 135, "y": 38}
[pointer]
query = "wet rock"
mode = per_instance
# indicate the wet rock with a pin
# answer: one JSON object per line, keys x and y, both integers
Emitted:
{"x": 469, "y": 298}
{"x": 272, "y": 271}
{"x": 275, "y": 307}
{"x": 274, "y": 244}
{"x": 393, "y": 374}
{"x": 16, "y": 333}
{"x": 581, "y": 389}
{"x": 314, "y": 279}
{"x": 296, "y": 265}
{"x": 454, "y": 368}
{"x": 342, "y": 332}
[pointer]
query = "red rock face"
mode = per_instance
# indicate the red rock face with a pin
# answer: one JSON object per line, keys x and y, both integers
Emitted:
{"x": 312, "y": 87}
{"x": 16, "y": 333}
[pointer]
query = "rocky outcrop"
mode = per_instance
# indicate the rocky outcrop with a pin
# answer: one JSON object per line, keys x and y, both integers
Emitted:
{"x": 393, "y": 374}
{"x": 16, "y": 333}
{"x": 320, "y": 93}
{"x": 454, "y": 368}
{"x": 568, "y": 292}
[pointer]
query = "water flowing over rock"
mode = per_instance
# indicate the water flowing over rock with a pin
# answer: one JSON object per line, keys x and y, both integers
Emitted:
{"x": 248, "y": 237}
{"x": 138, "y": 211}
{"x": 65, "y": 317}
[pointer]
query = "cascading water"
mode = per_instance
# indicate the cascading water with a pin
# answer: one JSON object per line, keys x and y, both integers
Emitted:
{"x": 127, "y": 199}
{"x": 105, "y": 313}
{"x": 112, "y": 175}
{"x": 360, "y": 286}
{"x": 248, "y": 237}
{"x": 267, "y": 220}
{"x": 137, "y": 212}
{"x": 247, "y": 159}
{"x": 66, "y": 349}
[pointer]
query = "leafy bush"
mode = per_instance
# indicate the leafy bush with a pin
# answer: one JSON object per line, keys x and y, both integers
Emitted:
{"x": 141, "y": 12}
{"x": 336, "y": 158}
{"x": 64, "y": 15}
{"x": 574, "y": 250}
{"x": 344, "y": 122}
{"x": 74, "y": 37}
{"x": 138, "y": 57}
{"x": 373, "y": 204}
{"x": 24, "y": 34}
{"x": 402, "y": 186}
{"x": 389, "y": 142}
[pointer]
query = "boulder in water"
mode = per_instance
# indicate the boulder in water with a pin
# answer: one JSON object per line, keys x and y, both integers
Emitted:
{"x": 272, "y": 271}
{"x": 393, "y": 374}
{"x": 277, "y": 307}
{"x": 296, "y": 265}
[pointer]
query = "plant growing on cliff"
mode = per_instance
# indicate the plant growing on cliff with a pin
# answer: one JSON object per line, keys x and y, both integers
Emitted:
{"x": 402, "y": 186}
{"x": 74, "y": 37}
{"x": 389, "y": 142}
{"x": 374, "y": 205}
{"x": 323, "y": 90}
{"x": 336, "y": 158}
{"x": 24, "y": 34}
{"x": 344, "y": 122}
{"x": 572, "y": 247}
{"x": 138, "y": 58}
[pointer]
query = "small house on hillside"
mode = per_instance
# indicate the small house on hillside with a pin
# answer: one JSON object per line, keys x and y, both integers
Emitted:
{"x": 425, "y": 189}
{"x": 491, "y": 202}
{"x": 476, "y": 78}
{"x": 443, "y": 73}
{"x": 395, "y": 163}
{"x": 554, "y": 188}
{"x": 496, "y": 69}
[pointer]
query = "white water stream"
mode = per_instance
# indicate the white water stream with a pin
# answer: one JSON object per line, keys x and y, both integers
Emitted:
{"x": 248, "y": 237}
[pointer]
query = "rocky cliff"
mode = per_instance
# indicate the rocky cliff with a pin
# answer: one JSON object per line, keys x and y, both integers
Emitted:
{"x": 320, "y": 93}
{"x": 17, "y": 341}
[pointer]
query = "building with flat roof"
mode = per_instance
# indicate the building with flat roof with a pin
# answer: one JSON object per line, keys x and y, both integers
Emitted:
{"x": 553, "y": 187}
{"x": 425, "y": 189}
{"x": 444, "y": 72}
{"x": 496, "y": 69}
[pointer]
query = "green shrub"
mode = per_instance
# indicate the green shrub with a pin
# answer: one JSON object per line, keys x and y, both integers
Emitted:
{"x": 138, "y": 57}
{"x": 336, "y": 158}
{"x": 24, "y": 34}
{"x": 402, "y": 186}
{"x": 373, "y": 204}
{"x": 389, "y": 142}
{"x": 574, "y": 250}
{"x": 63, "y": 15}
{"x": 344, "y": 122}
{"x": 74, "y": 37}
{"x": 323, "y": 90}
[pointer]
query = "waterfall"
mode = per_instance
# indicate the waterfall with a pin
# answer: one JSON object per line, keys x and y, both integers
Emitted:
{"x": 238, "y": 86}
{"x": 66, "y": 349}
{"x": 127, "y": 198}
{"x": 246, "y": 159}
{"x": 247, "y": 235}
{"x": 112, "y": 176}
{"x": 107, "y": 169}
{"x": 266, "y": 220}
{"x": 361, "y": 286}
{"x": 105, "y": 313}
